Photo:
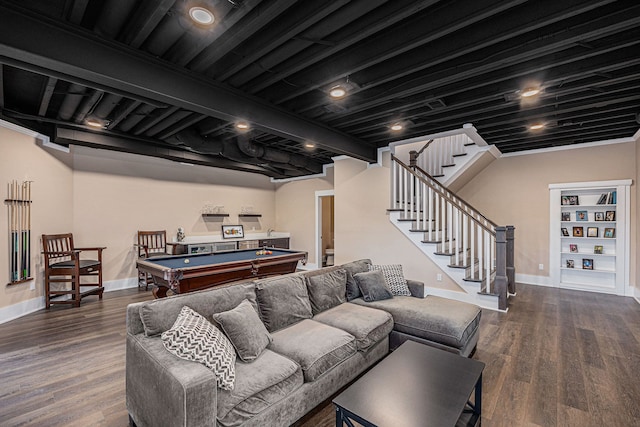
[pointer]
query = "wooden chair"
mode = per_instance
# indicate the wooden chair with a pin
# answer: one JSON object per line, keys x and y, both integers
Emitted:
{"x": 63, "y": 264}
{"x": 150, "y": 244}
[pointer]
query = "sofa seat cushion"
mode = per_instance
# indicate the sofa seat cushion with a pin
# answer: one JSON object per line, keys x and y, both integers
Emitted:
{"x": 259, "y": 384}
{"x": 368, "y": 325}
{"x": 316, "y": 347}
{"x": 442, "y": 320}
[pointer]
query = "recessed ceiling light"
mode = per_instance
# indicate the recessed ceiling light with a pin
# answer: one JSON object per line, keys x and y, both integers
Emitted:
{"x": 337, "y": 92}
{"x": 242, "y": 125}
{"x": 536, "y": 126}
{"x": 530, "y": 91}
{"x": 309, "y": 145}
{"x": 396, "y": 127}
{"x": 201, "y": 16}
{"x": 95, "y": 123}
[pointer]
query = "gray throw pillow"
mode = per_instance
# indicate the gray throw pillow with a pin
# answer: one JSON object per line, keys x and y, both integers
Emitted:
{"x": 360, "y": 266}
{"x": 373, "y": 286}
{"x": 245, "y": 330}
{"x": 327, "y": 290}
{"x": 192, "y": 337}
{"x": 283, "y": 301}
{"x": 394, "y": 277}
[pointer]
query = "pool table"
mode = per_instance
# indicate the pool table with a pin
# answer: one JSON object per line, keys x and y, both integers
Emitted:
{"x": 192, "y": 272}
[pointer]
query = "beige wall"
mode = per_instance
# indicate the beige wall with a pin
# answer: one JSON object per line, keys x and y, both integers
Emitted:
{"x": 515, "y": 191}
{"x": 23, "y": 159}
{"x": 295, "y": 211}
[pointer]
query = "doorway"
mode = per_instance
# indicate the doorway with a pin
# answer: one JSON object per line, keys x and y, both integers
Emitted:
{"x": 325, "y": 249}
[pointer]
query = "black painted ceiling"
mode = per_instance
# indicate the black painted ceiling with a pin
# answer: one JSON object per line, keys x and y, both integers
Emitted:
{"x": 162, "y": 86}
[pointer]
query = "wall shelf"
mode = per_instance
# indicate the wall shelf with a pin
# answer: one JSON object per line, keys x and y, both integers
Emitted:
{"x": 215, "y": 215}
{"x": 256, "y": 215}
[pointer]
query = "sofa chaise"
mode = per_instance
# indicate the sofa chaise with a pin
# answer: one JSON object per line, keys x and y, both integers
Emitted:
{"x": 298, "y": 339}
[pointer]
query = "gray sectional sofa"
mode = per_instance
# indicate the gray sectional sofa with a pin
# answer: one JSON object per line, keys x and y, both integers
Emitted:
{"x": 321, "y": 335}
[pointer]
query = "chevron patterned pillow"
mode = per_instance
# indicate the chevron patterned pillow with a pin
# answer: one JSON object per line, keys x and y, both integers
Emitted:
{"x": 194, "y": 338}
{"x": 394, "y": 277}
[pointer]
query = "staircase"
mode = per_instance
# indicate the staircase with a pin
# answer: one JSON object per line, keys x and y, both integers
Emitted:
{"x": 472, "y": 250}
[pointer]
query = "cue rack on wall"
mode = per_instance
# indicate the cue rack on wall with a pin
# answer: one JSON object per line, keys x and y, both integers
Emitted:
{"x": 19, "y": 205}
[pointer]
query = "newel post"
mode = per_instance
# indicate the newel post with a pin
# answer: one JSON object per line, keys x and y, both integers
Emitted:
{"x": 511, "y": 268}
{"x": 501, "y": 282}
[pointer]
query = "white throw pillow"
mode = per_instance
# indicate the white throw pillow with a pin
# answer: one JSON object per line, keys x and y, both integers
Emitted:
{"x": 394, "y": 277}
{"x": 194, "y": 338}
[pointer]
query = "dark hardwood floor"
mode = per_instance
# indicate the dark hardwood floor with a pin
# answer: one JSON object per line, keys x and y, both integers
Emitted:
{"x": 557, "y": 358}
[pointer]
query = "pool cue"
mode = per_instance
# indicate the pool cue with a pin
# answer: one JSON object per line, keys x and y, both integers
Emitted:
{"x": 23, "y": 248}
{"x": 28, "y": 228}
{"x": 14, "y": 233}
{"x": 10, "y": 213}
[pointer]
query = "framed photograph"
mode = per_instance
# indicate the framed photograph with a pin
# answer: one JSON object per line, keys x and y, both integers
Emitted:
{"x": 565, "y": 232}
{"x": 598, "y": 216}
{"x": 587, "y": 263}
{"x": 570, "y": 263}
{"x": 232, "y": 232}
{"x": 597, "y": 249}
{"x": 566, "y": 216}
{"x": 609, "y": 233}
{"x": 569, "y": 200}
{"x": 610, "y": 216}
{"x": 573, "y": 248}
{"x": 578, "y": 232}
{"x": 592, "y": 231}
{"x": 582, "y": 216}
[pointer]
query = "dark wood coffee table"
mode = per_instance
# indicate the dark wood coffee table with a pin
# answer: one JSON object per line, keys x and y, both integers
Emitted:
{"x": 416, "y": 385}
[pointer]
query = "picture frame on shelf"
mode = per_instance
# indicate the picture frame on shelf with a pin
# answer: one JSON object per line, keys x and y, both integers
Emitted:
{"x": 573, "y": 248}
{"x": 598, "y": 249}
{"x": 566, "y": 216}
{"x": 610, "y": 216}
{"x": 592, "y": 231}
{"x": 232, "y": 231}
{"x": 569, "y": 200}
{"x": 582, "y": 216}
{"x": 609, "y": 232}
{"x": 587, "y": 264}
{"x": 570, "y": 263}
{"x": 578, "y": 231}
{"x": 565, "y": 232}
{"x": 598, "y": 216}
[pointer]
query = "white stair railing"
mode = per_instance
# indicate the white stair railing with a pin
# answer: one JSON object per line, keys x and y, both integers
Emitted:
{"x": 460, "y": 231}
{"x": 440, "y": 152}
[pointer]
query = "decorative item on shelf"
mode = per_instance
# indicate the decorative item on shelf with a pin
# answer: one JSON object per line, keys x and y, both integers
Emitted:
{"x": 598, "y": 216}
{"x": 582, "y": 216}
{"x": 573, "y": 248}
{"x": 565, "y": 232}
{"x": 244, "y": 210}
{"x": 566, "y": 216}
{"x": 587, "y": 263}
{"x": 592, "y": 231}
{"x": 598, "y": 249}
{"x": 608, "y": 198}
{"x": 19, "y": 219}
{"x": 232, "y": 231}
{"x": 180, "y": 234}
{"x": 610, "y": 216}
{"x": 569, "y": 200}
{"x": 578, "y": 232}
{"x": 570, "y": 263}
{"x": 609, "y": 233}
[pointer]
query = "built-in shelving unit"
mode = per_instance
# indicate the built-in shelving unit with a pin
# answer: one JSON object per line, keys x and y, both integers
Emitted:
{"x": 589, "y": 236}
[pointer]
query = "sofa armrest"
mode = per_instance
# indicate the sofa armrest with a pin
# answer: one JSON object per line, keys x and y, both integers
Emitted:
{"x": 416, "y": 288}
{"x": 164, "y": 390}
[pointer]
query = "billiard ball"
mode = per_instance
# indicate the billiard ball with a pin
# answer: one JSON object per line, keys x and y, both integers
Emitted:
{"x": 186, "y": 261}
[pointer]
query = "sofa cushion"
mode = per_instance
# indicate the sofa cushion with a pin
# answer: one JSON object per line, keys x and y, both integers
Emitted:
{"x": 282, "y": 301}
{"x": 442, "y": 320}
{"x": 373, "y": 286}
{"x": 245, "y": 330}
{"x": 259, "y": 384}
{"x": 394, "y": 278}
{"x": 158, "y": 315}
{"x": 368, "y": 325}
{"x": 316, "y": 347}
{"x": 327, "y": 290}
{"x": 193, "y": 338}
{"x": 352, "y": 268}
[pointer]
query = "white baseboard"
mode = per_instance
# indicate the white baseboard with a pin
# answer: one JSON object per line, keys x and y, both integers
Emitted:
{"x": 23, "y": 308}
{"x": 307, "y": 266}
{"x": 530, "y": 279}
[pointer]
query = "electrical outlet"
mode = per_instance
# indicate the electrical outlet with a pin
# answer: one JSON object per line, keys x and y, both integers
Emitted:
{"x": 32, "y": 287}
{"x": 439, "y": 277}
{"x": 540, "y": 266}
